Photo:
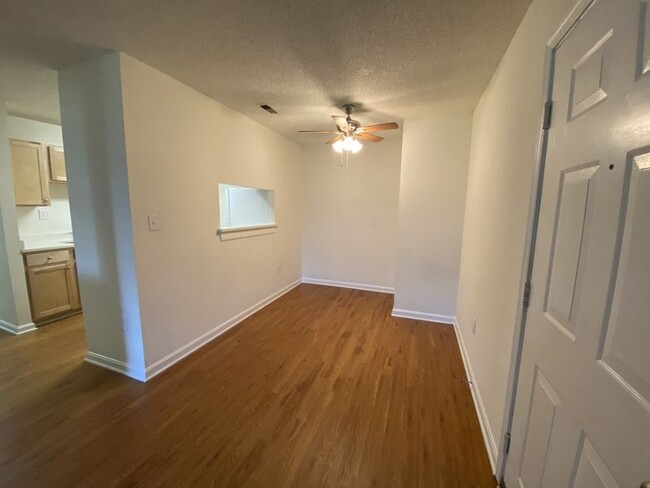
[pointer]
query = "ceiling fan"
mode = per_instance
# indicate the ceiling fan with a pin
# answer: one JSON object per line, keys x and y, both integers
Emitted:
{"x": 348, "y": 131}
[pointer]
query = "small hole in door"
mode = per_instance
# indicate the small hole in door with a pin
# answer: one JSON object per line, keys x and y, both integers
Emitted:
{"x": 611, "y": 166}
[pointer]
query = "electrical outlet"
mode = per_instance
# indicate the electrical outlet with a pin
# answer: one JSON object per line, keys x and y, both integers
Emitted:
{"x": 474, "y": 327}
{"x": 153, "y": 222}
{"x": 44, "y": 213}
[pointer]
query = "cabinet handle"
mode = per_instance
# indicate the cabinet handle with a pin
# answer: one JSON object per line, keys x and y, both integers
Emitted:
{"x": 49, "y": 258}
{"x": 68, "y": 267}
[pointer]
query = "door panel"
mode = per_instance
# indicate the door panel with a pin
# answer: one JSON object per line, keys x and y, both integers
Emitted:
{"x": 626, "y": 333}
{"x": 582, "y": 415}
{"x": 572, "y": 210}
{"x": 588, "y": 85}
{"x": 543, "y": 407}
{"x": 591, "y": 471}
{"x": 643, "y": 64}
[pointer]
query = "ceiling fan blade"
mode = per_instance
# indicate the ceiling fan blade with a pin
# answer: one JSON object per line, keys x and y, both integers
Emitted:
{"x": 334, "y": 139}
{"x": 318, "y": 131}
{"x": 378, "y": 127}
{"x": 341, "y": 123}
{"x": 368, "y": 137}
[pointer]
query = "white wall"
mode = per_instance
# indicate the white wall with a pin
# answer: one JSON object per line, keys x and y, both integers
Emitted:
{"x": 503, "y": 156}
{"x": 180, "y": 145}
{"x": 93, "y": 132}
{"x": 435, "y": 156}
{"x": 28, "y": 222}
{"x": 14, "y": 302}
{"x": 350, "y": 219}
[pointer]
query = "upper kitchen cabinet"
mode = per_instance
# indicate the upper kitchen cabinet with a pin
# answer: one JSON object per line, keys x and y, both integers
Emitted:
{"x": 57, "y": 163}
{"x": 29, "y": 164}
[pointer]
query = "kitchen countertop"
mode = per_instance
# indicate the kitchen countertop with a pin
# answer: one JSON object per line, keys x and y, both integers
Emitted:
{"x": 47, "y": 242}
{"x": 50, "y": 246}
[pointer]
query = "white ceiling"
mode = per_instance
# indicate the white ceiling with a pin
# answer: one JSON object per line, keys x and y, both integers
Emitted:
{"x": 395, "y": 58}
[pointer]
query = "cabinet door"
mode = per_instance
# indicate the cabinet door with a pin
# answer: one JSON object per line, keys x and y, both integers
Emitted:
{"x": 57, "y": 163}
{"x": 30, "y": 173}
{"x": 73, "y": 284}
{"x": 53, "y": 290}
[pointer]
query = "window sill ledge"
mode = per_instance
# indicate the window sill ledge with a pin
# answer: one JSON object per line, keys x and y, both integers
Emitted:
{"x": 229, "y": 233}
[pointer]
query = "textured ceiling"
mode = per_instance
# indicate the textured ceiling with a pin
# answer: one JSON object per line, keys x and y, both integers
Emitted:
{"x": 396, "y": 59}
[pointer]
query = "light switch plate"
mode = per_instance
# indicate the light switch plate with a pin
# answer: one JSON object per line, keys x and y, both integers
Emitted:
{"x": 44, "y": 213}
{"x": 153, "y": 222}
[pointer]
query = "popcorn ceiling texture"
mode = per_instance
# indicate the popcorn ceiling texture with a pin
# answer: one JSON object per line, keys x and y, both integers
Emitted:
{"x": 398, "y": 59}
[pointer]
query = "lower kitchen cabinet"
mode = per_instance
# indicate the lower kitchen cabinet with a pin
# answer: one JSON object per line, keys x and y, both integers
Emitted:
{"x": 52, "y": 283}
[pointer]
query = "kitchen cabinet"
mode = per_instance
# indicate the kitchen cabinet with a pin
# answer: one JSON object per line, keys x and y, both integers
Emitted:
{"x": 30, "y": 172}
{"x": 52, "y": 284}
{"x": 57, "y": 163}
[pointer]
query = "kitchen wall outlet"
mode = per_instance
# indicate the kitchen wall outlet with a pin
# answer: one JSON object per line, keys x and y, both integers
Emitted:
{"x": 474, "y": 327}
{"x": 153, "y": 222}
{"x": 44, "y": 213}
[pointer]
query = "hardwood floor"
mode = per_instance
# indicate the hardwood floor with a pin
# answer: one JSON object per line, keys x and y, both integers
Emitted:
{"x": 322, "y": 388}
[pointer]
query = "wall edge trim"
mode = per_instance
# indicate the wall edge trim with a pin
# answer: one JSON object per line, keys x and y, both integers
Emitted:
{"x": 115, "y": 365}
{"x": 17, "y": 329}
{"x": 427, "y": 317}
{"x": 347, "y": 284}
{"x": 488, "y": 436}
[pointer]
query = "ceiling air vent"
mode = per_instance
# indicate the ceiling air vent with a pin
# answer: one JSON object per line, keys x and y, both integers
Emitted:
{"x": 269, "y": 109}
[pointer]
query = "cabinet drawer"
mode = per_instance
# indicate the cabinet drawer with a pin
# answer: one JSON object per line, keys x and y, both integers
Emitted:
{"x": 48, "y": 257}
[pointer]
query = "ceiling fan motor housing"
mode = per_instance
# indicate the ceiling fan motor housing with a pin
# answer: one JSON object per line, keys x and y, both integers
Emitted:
{"x": 354, "y": 124}
{"x": 349, "y": 108}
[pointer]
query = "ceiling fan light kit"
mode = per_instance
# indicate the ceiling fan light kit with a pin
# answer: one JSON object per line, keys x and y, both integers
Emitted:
{"x": 348, "y": 144}
{"x": 349, "y": 132}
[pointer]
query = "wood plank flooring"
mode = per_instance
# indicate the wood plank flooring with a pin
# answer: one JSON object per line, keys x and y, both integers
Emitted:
{"x": 322, "y": 388}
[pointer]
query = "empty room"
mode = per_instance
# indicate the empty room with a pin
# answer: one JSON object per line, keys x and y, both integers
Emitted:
{"x": 388, "y": 244}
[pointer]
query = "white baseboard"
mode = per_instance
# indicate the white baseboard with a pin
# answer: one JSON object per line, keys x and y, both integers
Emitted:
{"x": 427, "y": 317}
{"x": 346, "y": 284}
{"x": 115, "y": 365}
{"x": 488, "y": 437}
{"x": 17, "y": 329}
{"x": 164, "y": 363}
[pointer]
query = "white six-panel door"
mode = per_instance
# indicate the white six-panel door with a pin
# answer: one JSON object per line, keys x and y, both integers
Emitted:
{"x": 582, "y": 413}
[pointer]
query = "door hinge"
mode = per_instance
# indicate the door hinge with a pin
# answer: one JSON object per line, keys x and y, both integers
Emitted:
{"x": 527, "y": 294}
{"x": 548, "y": 114}
{"x": 506, "y": 443}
